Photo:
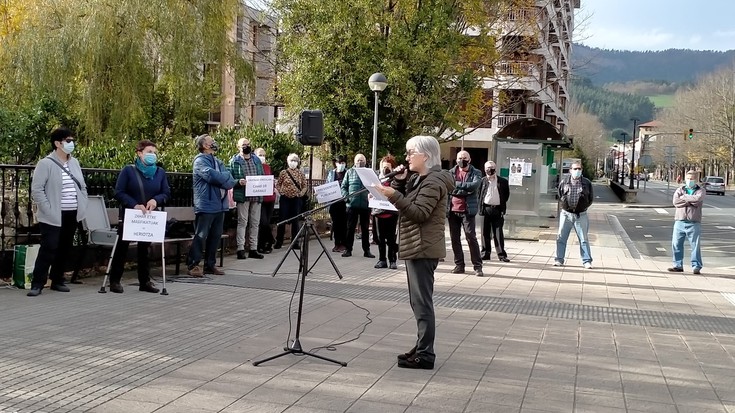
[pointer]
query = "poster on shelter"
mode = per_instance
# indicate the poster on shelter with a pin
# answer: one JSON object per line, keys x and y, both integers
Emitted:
{"x": 527, "y": 169}
{"x": 515, "y": 176}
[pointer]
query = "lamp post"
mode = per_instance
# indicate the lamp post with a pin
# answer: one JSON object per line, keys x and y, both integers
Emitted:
{"x": 377, "y": 83}
{"x": 622, "y": 161}
{"x": 632, "y": 156}
{"x": 617, "y": 163}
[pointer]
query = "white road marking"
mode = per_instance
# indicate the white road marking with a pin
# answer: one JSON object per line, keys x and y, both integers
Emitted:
{"x": 724, "y": 227}
{"x": 729, "y": 297}
{"x": 661, "y": 211}
{"x": 712, "y": 206}
{"x": 639, "y": 226}
{"x": 660, "y": 249}
{"x": 648, "y": 236}
{"x": 631, "y": 219}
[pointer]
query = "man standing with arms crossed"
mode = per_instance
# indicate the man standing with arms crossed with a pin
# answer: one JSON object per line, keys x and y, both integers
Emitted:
{"x": 688, "y": 200}
{"x": 494, "y": 195}
{"x": 462, "y": 211}
{"x": 575, "y": 196}
{"x": 243, "y": 165}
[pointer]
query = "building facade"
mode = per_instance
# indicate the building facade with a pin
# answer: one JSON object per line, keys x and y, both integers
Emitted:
{"x": 532, "y": 78}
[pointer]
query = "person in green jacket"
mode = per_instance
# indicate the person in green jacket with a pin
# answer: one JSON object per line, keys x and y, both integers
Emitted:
{"x": 357, "y": 208}
{"x": 242, "y": 165}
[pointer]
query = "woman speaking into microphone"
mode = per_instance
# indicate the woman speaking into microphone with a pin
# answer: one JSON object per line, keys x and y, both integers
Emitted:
{"x": 421, "y": 201}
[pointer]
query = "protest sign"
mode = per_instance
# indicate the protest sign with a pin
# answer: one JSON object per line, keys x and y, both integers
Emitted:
{"x": 146, "y": 227}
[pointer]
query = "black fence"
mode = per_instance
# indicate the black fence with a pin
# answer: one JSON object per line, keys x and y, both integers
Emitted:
{"x": 17, "y": 211}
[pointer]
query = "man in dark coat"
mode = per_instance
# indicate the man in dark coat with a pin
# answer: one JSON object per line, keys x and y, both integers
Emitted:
{"x": 494, "y": 195}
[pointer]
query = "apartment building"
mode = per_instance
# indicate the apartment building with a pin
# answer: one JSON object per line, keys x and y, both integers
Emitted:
{"x": 532, "y": 79}
{"x": 255, "y": 35}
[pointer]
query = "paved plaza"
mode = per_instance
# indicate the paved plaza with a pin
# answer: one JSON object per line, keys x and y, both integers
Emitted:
{"x": 625, "y": 336}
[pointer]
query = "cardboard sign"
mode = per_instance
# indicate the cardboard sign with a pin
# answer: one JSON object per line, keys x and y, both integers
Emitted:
{"x": 328, "y": 192}
{"x": 148, "y": 227}
{"x": 259, "y": 185}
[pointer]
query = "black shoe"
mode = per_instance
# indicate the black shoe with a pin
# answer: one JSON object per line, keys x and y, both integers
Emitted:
{"x": 381, "y": 264}
{"x": 676, "y": 269}
{"x": 696, "y": 271}
{"x": 504, "y": 259}
{"x": 458, "y": 269}
{"x": 60, "y": 288}
{"x": 368, "y": 254}
{"x": 347, "y": 253}
{"x": 277, "y": 245}
{"x": 485, "y": 257}
{"x": 34, "y": 292}
{"x": 406, "y": 356}
{"x": 416, "y": 362}
{"x": 241, "y": 255}
{"x": 116, "y": 288}
{"x": 148, "y": 287}
{"x": 254, "y": 254}
{"x": 478, "y": 273}
{"x": 267, "y": 250}
{"x": 393, "y": 265}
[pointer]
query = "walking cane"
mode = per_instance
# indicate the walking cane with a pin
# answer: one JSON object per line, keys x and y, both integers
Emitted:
{"x": 163, "y": 268}
{"x": 109, "y": 265}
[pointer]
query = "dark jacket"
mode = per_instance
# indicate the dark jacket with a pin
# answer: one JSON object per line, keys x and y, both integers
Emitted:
{"x": 351, "y": 184}
{"x": 585, "y": 198}
{"x": 211, "y": 182}
{"x": 466, "y": 189}
{"x": 422, "y": 205}
{"x": 503, "y": 193}
{"x": 127, "y": 189}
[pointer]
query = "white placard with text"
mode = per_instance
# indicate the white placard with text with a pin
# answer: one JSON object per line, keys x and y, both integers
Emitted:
{"x": 259, "y": 185}
{"x": 145, "y": 227}
{"x": 328, "y": 192}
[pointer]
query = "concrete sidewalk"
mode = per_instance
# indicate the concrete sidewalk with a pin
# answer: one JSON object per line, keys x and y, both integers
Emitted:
{"x": 625, "y": 336}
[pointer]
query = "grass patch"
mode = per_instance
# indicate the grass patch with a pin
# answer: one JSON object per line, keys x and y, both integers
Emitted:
{"x": 662, "y": 101}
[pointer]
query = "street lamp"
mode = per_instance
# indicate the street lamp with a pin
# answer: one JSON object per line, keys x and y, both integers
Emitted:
{"x": 632, "y": 156}
{"x": 377, "y": 83}
{"x": 622, "y": 160}
{"x": 616, "y": 164}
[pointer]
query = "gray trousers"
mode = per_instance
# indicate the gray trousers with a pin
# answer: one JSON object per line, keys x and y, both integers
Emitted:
{"x": 420, "y": 293}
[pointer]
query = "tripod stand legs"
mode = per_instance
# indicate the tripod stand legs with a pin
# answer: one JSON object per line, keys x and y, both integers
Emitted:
{"x": 296, "y": 349}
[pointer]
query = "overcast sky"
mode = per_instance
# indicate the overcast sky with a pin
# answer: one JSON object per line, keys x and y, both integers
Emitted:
{"x": 656, "y": 24}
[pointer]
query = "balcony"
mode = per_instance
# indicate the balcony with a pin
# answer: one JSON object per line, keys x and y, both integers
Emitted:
{"x": 518, "y": 75}
{"x": 506, "y": 118}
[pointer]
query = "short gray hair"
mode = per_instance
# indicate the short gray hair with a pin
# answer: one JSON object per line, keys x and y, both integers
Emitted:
{"x": 427, "y": 145}
{"x": 293, "y": 157}
{"x": 199, "y": 141}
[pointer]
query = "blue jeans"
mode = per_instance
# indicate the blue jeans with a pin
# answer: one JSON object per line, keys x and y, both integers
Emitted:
{"x": 581, "y": 225}
{"x": 207, "y": 233}
{"x": 692, "y": 231}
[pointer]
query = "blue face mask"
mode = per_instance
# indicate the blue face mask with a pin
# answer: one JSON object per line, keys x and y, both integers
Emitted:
{"x": 576, "y": 173}
{"x": 68, "y": 148}
{"x": 691, "y": 183}
{"x": 150, "y": 159}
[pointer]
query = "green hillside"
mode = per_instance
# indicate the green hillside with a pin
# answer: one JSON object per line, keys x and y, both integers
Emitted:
{"x": 662, "y": 101}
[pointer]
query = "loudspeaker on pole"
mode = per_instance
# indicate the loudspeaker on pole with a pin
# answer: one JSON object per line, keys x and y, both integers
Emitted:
{"x": 311, "y": 128}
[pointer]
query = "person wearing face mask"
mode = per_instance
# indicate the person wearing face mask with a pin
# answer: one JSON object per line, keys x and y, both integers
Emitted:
{"x": 357, "y": 209}
{"x": 292, "y": 186}
{"x": 242, "y": 165}
{"x": 142, "y": 186}
{"x": 385, "y": 222}
{"x": 211, "y": 181}
{"x": 59, "y": 191}
{"x": 688, "y": 200}
{"x": 338, "y": 210}
{"x": 265, "y": 231}
{"x": 461, "y": 212}
{"x": 494, "y": 195}
{"x": 575, "y": 196}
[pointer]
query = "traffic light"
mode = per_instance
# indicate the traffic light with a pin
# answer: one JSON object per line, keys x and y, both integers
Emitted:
{"x": 691, "y": 134}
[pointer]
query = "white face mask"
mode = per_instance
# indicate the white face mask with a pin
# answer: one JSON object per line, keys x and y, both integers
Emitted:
{"x": 341, "y": 167}
{"x": 68, "y": 147}
{"x": 262, "y": 158}
{"x": 576, "y": 173}
{"x": 293, "y": 164}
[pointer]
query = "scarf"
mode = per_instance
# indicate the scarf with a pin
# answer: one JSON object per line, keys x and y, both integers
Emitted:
{"x": 147, "y": 171}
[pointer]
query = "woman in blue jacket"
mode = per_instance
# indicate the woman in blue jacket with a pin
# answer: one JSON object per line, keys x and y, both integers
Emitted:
{"x": 143, "y": 186}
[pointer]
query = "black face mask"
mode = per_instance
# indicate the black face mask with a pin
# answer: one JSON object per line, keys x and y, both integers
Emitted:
{"x": 246, "y": 149}
{"x": 360, "y": 164}
{"x": 490, "y": 171}
{"x": 386, "y": 171}
{"x": 463, "y": 163}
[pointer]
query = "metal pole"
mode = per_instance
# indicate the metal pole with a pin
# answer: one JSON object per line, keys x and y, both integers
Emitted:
{"x": 375, "y": 133}
{"x": 632, "y": 156}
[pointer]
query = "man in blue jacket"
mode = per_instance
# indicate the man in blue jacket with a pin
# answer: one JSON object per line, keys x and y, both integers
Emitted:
{"x": 211, "y": 182}
{"x": 462, "y": 210}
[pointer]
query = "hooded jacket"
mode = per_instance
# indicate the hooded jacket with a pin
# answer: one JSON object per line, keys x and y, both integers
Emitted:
{"x": 422, "y": 204}
{"x": 211, "y": 182}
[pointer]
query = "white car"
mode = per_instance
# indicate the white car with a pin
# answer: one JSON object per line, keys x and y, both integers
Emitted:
{"x": 714, "y": 184}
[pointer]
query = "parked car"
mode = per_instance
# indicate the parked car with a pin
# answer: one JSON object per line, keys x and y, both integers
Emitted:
{"x": 714, "y": 184}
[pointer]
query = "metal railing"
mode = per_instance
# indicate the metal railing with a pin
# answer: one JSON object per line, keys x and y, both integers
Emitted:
{"x": 504, "y": 119}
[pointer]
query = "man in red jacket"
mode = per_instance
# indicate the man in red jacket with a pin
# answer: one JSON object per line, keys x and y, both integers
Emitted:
{"x": 265, "y": 230}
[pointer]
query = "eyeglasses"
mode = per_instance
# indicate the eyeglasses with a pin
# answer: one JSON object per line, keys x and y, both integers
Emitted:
{"x": 411, "y": 153}
{"x": 69, "y": 140}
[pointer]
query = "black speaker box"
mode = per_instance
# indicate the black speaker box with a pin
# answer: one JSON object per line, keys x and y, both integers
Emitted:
{"x": 311, "y": 128}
